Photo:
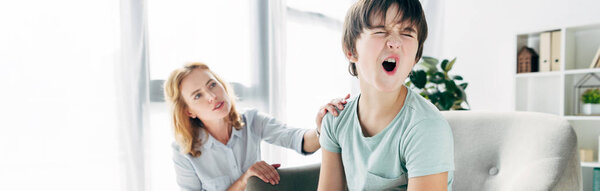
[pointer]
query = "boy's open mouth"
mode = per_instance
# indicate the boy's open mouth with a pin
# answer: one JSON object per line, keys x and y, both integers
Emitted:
{"x": 389, "y": 65}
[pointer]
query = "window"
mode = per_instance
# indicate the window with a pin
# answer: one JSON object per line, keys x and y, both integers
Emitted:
{"x": 216, "y": 33}
{"x": 316, "y": 69}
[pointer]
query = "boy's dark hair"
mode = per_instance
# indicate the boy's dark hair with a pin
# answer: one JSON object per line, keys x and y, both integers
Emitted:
{"x": 359, "y": 18}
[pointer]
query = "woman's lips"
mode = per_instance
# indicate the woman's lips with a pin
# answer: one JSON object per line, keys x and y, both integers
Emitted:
{"x": 218, "y": 106}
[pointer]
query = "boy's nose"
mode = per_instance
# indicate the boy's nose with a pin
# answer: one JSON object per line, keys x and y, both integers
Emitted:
{"x": 393, "y": 43}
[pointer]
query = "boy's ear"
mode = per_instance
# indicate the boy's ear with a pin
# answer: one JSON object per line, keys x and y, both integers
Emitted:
{"x": 351, "y": 57}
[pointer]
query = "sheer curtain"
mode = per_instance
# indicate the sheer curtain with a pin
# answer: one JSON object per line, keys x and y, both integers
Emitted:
{"x": 58, "y": 123}
{"x": 434, "y": 12}
{"x": 132, "y": 95}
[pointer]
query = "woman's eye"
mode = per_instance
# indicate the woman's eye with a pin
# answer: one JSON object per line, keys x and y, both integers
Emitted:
{"x": 212, "y": 85}
{"x": 197, "y": 96}
{"x": 379, "y": 32}
{"x": 408, "y": 35}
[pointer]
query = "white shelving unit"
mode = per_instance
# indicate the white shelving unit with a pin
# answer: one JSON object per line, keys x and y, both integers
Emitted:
{"x": 554, "y": 92}
{"x": 591, "y": 164}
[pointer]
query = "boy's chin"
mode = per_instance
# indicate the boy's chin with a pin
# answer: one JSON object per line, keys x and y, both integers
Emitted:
{"x": 388, "y": 87}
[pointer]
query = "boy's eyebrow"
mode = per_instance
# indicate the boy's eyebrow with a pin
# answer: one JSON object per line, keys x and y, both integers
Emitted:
{"x": 409, "y": 29}
{"x": 405, "y": 29}
{"x": 377, "y": 27}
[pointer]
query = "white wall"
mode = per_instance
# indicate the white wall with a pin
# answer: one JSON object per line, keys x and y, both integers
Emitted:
{"x": 482, "y": 35}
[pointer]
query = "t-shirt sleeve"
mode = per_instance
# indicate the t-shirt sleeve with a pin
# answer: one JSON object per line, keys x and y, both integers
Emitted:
{"x": 275, "y": 132}
{"x": 429, "y": 148}
{"x": 328, "y": 139}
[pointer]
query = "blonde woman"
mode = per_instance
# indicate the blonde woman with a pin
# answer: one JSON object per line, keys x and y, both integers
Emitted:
{"x": 218, "y": 148}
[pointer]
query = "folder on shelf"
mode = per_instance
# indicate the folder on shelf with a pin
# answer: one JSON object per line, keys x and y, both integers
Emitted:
{"x": 545, "y": 39}
{"x": 596, "y": 60}
{"x": 555, "y": 51}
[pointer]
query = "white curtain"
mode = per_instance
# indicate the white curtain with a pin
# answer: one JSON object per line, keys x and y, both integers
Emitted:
{"x": 58, "y": 107}
{"x": 132, "y": 95}
{"x": 434, "y": 12}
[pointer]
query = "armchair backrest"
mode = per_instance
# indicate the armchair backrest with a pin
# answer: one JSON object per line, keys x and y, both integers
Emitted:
{"x": 513, "y": 151}
{"x": 492, "y": 151}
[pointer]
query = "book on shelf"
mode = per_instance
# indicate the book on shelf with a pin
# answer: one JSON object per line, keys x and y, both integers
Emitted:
{"x": 596, "y": 60}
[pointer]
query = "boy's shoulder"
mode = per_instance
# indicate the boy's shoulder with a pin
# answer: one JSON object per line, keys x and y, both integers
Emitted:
{"x": 421, "y": 108}
{"x": 346, "y": 115}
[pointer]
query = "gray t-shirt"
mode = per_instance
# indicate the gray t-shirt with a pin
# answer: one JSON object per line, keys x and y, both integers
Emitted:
{"x": 417, "y": 142}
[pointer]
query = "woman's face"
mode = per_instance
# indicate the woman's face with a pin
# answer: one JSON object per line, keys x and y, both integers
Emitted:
{"x": 205, "y": 97}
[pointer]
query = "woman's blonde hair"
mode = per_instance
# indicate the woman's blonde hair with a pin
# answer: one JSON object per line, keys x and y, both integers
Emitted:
{"x": 187, "y": 129}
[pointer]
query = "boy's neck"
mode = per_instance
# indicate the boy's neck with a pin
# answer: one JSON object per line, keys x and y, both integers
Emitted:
{"x": 377, "y": 109}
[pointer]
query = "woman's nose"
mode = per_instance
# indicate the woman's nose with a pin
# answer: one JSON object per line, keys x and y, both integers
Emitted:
{"x": 211, "y": 97}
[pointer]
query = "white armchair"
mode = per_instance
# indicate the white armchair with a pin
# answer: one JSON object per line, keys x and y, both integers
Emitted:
{"x": 492, "y": 151}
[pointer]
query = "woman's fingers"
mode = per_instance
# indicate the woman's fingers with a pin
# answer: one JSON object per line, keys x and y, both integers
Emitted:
{"x": 276, "y": 166}
{"x": 255, "y": 171}
{"x": 273, "y": 173}
{"x": 340, "y": 105}
{"x": 267, "y": 172}
{"x": 264, "y": 170}
{"x": 330, "y": 108}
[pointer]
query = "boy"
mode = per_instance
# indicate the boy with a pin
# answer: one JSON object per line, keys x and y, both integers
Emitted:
{"x": 388, "y": 137}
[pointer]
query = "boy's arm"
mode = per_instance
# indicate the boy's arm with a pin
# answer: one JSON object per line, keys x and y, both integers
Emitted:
{"x": 430, "y": 182}
{"x": 332, "y": 175}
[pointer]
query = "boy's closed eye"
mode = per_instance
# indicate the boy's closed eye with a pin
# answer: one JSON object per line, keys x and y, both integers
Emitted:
{"x": 378, "y": 31}
{"x": 409, "y": 31}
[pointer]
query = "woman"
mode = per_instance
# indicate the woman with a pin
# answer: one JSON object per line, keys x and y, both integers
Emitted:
{"x": 217, "y": 147}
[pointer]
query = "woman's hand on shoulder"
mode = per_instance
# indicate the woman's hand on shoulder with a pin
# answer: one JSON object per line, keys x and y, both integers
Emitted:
{"x": 263, "y": 171}
{"x": 330, "y": 107}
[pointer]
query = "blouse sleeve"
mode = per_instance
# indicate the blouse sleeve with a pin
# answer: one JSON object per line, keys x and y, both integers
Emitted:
{"x": 275, "y": 132}
{"x": 184, "y": 171}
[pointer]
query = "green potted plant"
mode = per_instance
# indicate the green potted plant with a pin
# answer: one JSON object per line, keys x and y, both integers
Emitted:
{"x": 436, "y": 85}
{"x": 591, "y": 101}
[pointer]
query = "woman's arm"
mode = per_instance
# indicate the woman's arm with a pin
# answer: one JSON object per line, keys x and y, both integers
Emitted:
{"x": 310, "y": 142}
{"x": 430, "y": 182}
{"x": 332, "y": 175}
{"x": 310, "y": 139}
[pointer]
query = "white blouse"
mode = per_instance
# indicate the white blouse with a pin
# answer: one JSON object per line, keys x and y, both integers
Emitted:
{"x": 220, "y": 165}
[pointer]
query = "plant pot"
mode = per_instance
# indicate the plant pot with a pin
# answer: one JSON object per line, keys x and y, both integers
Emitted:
{"x": 591, "y": 109}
